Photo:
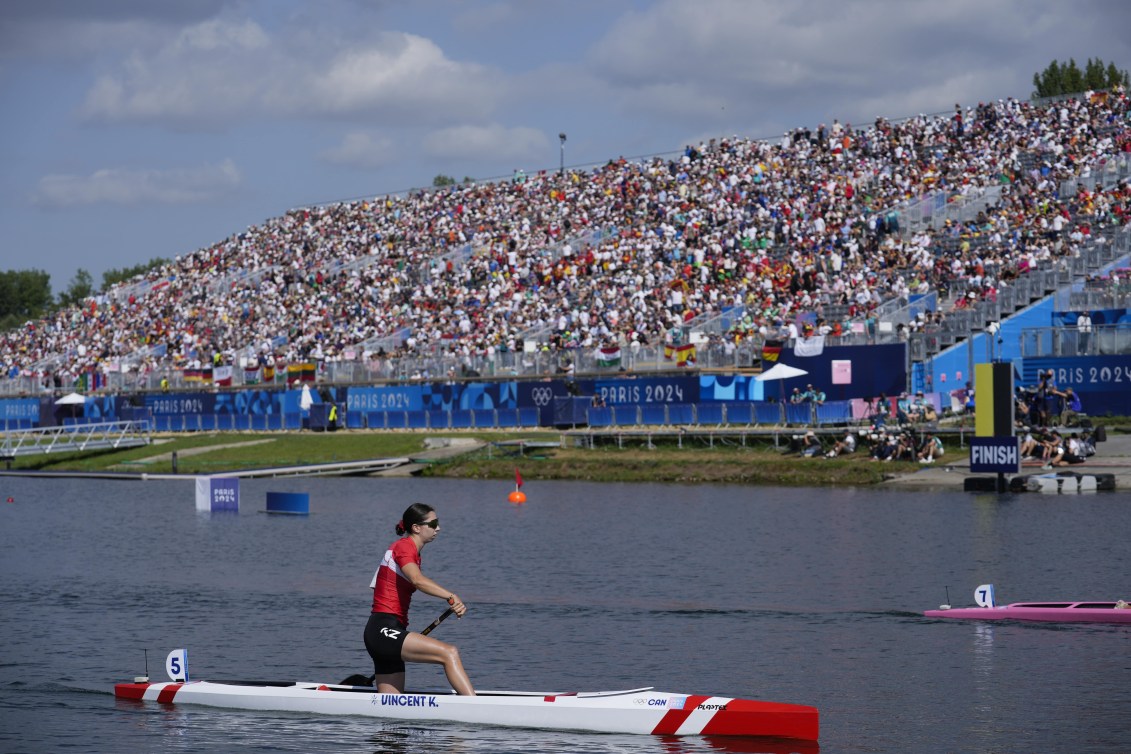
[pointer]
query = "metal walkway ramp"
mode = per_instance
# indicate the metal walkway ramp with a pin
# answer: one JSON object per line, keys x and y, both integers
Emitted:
{"x": 75, "y": 438}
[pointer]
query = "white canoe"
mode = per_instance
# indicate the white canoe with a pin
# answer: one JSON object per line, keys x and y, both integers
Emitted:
{"x": 632, "y": 711}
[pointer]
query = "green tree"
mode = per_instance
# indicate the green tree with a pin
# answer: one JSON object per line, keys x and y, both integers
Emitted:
{"x": 1067, "y": 78}
{"x": 443, "y": 180}
{"x": 111, "y": 277}
{"x": 81, "y": 287}
{"x": 24, "y": 295}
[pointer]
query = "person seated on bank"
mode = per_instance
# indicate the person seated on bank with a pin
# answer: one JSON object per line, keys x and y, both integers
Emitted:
{"x": 387, "y": 638}
{"x": 1029, "y": 445}
{"x": 906, "y": 448}
{"x": 931, "y": 449}
{"x": 916, "y": 408}
{"x": 810, "y": 445}
{"x": 1053, "y": 451}
{"x": 884, "y": 447}
{"x": 844, "y": 446}
{"x": 1073, "y": 452}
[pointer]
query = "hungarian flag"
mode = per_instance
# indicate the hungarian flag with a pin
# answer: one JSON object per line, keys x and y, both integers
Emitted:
{"x": 771, "y": 350}
{"x": 683, "y": 355}
{"x": 251, "y": 375}
{"x": 517, "y": 479}
{"x": 608, "y": 357}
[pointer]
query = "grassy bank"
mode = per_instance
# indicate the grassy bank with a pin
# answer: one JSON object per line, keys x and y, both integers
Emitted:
{"x": 757, "y": 462}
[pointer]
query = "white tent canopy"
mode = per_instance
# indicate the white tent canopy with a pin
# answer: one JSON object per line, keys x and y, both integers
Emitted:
{"x": 780, "y": 372}
{"x": 71, "y": 399}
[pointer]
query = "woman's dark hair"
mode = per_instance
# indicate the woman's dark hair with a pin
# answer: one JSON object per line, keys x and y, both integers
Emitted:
{"x": 413, "y": 514}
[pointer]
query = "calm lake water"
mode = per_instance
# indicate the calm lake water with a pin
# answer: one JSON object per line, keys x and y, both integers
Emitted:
{"x": 811, "y": 596}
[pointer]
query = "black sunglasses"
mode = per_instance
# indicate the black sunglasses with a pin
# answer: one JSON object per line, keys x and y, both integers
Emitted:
{"x": 433, "y": 524}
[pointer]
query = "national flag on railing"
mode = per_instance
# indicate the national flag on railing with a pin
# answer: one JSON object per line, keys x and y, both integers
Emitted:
{"x": 222, "y": 376}
{"x": 814, "y": 345}
{"x": 268, "y": 373}
{"x": 301, "y": 372}
{"x": 251, "y": 375}
{"x": 683, "y": 355}
{"x": 771, "y": 350}
{"x": 608, "y": 357}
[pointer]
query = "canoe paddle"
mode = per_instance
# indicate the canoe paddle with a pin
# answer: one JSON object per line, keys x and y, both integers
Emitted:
{"x": 443, "y": 617}
{"x": 357, "y": 679}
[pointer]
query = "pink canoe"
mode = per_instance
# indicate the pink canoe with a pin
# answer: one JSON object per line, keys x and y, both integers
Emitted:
{"x": 1054, "y": 612}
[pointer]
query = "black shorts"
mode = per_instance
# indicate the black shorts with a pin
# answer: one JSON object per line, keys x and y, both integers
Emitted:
{"x": 384, "y": 636}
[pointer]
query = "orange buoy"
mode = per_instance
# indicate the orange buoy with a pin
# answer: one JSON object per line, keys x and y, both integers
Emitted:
{"x": 517, "y": 497}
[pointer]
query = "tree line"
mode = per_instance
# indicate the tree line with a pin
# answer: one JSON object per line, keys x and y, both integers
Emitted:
{"x": 26, "y": 294}
{"x": 1067, "y": 78}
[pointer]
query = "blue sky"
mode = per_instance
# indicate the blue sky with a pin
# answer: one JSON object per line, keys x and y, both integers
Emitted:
{"x": 135, "y": 129}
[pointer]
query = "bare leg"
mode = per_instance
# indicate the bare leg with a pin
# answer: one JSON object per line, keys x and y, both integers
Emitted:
{"x": 389, "y": 683}
{"x": 420, "y": 648}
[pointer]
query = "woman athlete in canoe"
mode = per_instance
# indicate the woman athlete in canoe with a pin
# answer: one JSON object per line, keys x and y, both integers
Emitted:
{"x": 387, "y": 637}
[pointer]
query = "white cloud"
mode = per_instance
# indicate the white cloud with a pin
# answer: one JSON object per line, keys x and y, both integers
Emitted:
{"x": 221, "y": 71}
{"x": 138, "y": 187}
{"x": 765, "y": 58}
{"x": 362, "y": 149}
{"x": 487, "y": 143}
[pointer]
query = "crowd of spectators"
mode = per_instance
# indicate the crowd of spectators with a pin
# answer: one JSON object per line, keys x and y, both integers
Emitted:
{"x": 797, "y": 226}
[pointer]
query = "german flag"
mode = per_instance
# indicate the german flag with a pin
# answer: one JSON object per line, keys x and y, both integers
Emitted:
{"x": 771, "y": 350}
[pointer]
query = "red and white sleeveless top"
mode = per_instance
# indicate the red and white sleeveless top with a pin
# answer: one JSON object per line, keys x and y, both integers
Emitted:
{"x": 392, "y": 591}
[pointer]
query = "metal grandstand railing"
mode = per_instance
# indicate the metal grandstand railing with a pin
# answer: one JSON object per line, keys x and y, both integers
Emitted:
{"x": 240, "y": 278}
{"x": 74, "y": 437}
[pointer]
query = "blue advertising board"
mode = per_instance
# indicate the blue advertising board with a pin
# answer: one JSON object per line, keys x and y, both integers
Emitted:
{"x": 643, "y": 391}
{"x": 17, "y": 409}
{"x": 1102, "y": 382}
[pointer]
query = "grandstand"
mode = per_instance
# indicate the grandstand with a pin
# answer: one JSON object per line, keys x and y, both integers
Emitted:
{"x": 911, "y": 231}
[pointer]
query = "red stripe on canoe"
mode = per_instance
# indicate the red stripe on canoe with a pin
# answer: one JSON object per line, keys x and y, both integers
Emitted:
{"x": 130, "y": 690}
{"x": 746, "y": 717}
{"x": 674, "y": 718}
{"x": 167, "y": 693}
